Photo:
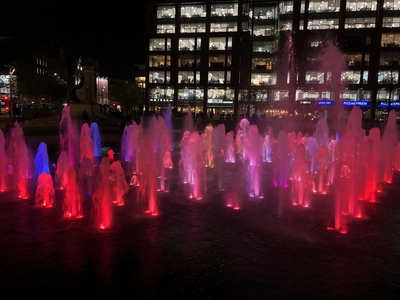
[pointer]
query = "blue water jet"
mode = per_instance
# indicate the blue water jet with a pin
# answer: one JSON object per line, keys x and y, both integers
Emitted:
{"x": 94, "y": 133}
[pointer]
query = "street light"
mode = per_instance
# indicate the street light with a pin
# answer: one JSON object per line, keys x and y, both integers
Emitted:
{"x": 11, "y": 72}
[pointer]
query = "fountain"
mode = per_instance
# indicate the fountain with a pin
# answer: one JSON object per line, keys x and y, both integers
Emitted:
{"x": 41, "y": 161}
{"x": 243, "y": 128}
{"x": 72, "y": 201}
{"x": 281, "y": 160}
{"x": 69, "y": 140}
{"x": 102, "y": 206}
{"x": 219, "y": 146}
{"x": 300, "y": 178}
{"x": 189, "y": 125}
{"x": 148, "y": 180}
{"x": 389, "y": 143}
{"x": 120, "y": 187}
{"x": 266, "y": 149}
{"x": 252, "y": 147}
{"x": 87, "y": 145}
{"x": 45, "y": 194}
{"x": 230, "y": 148}
{"x": 61, "y": 176}
{"x": 168, "y": 123}
{"x": 208, "y": 146}
{"x": 95, "y": 135}
{"x": 86, "y": 177}
{"x": 3, "y": 164}
{"x": 130, "y": 146}
{"x": 320, "y": 177}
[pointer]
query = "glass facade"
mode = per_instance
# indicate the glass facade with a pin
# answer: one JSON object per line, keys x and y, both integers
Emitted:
{"x": 222, "y": 54}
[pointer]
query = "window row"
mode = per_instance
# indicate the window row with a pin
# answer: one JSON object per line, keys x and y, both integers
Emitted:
{"x": 41, "y": 62}
{"x": 193, "y": 44}
{"x": 215, "y": 95}
{"x": 190, "y": 77}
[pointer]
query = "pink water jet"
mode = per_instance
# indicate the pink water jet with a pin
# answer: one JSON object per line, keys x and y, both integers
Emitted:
{"x": 3, "y": 164}
{"x": 208, "y": 146}
{"x": 188, "y": 125}
{"x": 72, "y": 202}
{"x": 252, "y": 147}
{"x": 160, "y": 137}
{"x": 86, "y": 177}
{"x": 267, "y": 149}
{"x": 148, "y": 180}
{"x": 87, "y": 145}
{"x": 320, "y": 177}
{"x": 389, "y": 142}
{"x": 102, "y": 204}
{"x": 120, "y": 187}
{"x": 168, "y": 160}
{"x": 243, "y": 128}
{"x": 69, "y": 136}
{"x": 63, "y": 166}
{"x": 281, "y": 160}
{"x": 230, "y": 148}
{"x": 218, "y": 146}
{"x": 45, "y": 194}
{"x": 300, "y": 178}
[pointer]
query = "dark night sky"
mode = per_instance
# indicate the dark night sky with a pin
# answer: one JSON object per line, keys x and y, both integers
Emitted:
{"x": 111, "y": 32}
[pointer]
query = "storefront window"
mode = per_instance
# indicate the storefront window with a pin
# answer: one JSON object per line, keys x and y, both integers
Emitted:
{"x": 224, "y": 10}
{"x": 162, "y": 95}
{"x": 224, "y": 27}
{"x": 193, "y": 11}
{"x": 321, "y": 24}
{"x": 280, "y": 95}
{"x": 314, "y": 77}
{"x": 360, "y": 5}
{"x": 350, "y": 77}
{"x": 258, "y": 95}
{"x": 307, "y": 95}
{"x": 190, "y": 94}
{"x": 323, "y": 6}
{"x": 261, "y": 79}
{"x": 390, "y": 40}
{"x": 357, "y": 23}
{"x": 388, "y": 77}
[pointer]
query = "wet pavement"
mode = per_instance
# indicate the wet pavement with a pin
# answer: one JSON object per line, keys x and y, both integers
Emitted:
{"x": 202, "y": 249}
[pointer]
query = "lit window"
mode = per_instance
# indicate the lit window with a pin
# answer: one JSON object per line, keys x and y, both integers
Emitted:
{"x": 323, "y": 24}
{"x": 263, "y": 30}
{"x": 314, "y": 77}
{"x": 263, "y": 13}
{"x": 351, "y": 23}
{"x": 156, "y": 61}
{"x": 391, "y": 22}
{"x": 217, "y": 77}
{"x": 156, "y": 77}
{"x": 390, "y": 40}
{"x": 323, "y": 6}
{"x": 157, "y": 45}
{"x": 187, "y": 44}
{"x": 224, "y": 10}
{"x": 360, "y": 5}
{"x": 350, "y": 77}
{"x": 165, "y": 28}
{"x": 263, "y": 63}
{"x": 217, "y": 43}
{"x": 224, "y": 27}
{"x": 388, "y": 77}
{"x": 193, "y": 11}
{"x": 391, "y": 5}
{"x": 193, "y": 27}
{"x": 286, "y": 7}
{"x": 165, "y": 12}
{"x": 261, "y": 79}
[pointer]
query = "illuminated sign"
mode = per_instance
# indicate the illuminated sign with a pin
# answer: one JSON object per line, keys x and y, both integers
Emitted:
{"x": 305, "y": 102}
{"x": 324, "y": 103}
{"x": 362, "y": 103}
{"x": 386, "y": 104}
{"x": 219, "y": 101}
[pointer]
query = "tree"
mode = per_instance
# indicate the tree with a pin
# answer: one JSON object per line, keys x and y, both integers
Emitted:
{"x": 128, "y": 94}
